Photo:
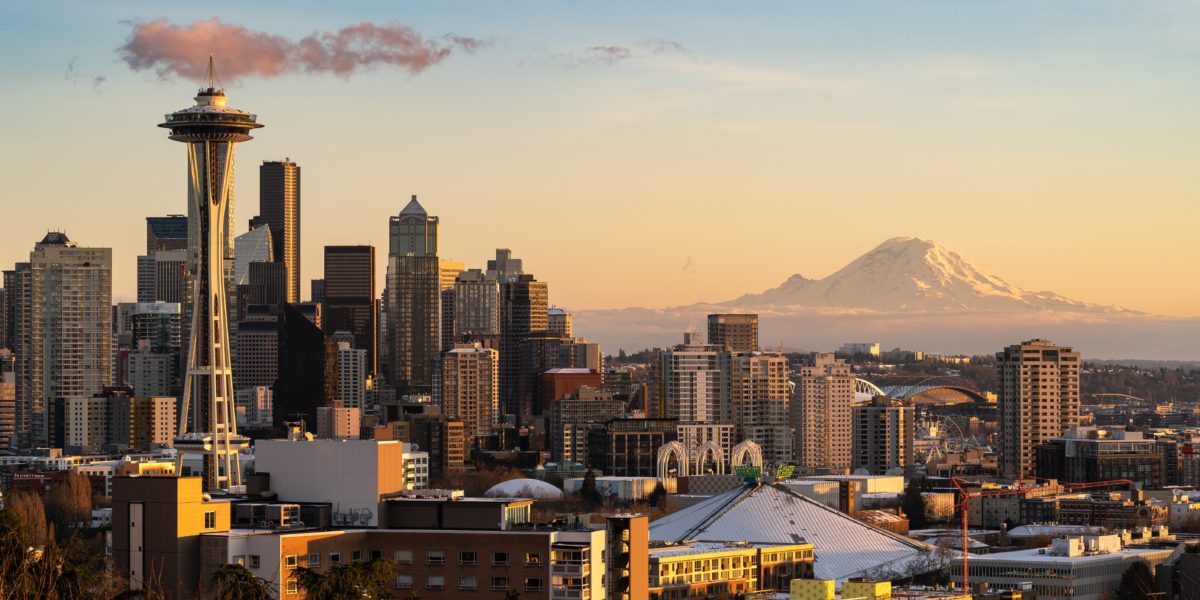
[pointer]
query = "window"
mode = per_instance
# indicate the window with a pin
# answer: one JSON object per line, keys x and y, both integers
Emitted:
{"x": 292, "y": 588}
{"x": 254, "y": 561}
{"x": 467, "y": 582}
{"x": 314, "y": 561}
{"x": 356, "y": 555}
{"x": 435, "y": 557}
{"x": 335, "y": 557}
{"x": 402, "y": 557}
{"x": 500, "y": 559}
{"x": 466, "y": 558}
{"x": 499, "y": 583}
{"x": 435, "y": 582}
{"x": 239, "y": 560}
{"x": 533, "y": 559}
{"x": 404, "y": 582}
{"x": 533, "y": 584}
{"x": 210, "y": 519}
{"x": 289, "y": 561}
{"x": 376, "y": 554}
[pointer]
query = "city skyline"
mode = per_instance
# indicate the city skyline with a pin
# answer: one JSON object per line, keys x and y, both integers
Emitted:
{"x": 644, "y": 124}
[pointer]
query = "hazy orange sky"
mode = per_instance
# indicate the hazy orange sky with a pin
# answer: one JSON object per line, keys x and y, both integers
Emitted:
{"x": 1049, "y": 144}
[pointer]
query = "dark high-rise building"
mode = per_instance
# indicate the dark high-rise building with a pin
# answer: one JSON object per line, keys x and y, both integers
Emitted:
{"x": 349, "y": 296}
{"x": 734, "y": 332}
{"x": 316, "y": 290}
{"x": 9, "y": 312}
{"x": 266, "y": 283}
{"x": 279, "y": 207}
{"x": 166, "y": 233}
{"x": 256, "y": 358}
{"x": 162, "y": 276}
{"x": 524, "y": 303}
{"x": 411, "y": 300}
{"x": 307, "y": 366}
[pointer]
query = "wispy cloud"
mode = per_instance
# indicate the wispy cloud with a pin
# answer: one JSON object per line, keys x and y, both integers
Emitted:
{"x": 169, "y": 50}
{"x": 74, "y": 75}
{"x": 609, "y": 55}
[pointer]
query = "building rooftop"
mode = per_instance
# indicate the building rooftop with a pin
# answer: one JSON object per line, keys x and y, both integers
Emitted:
{"x": 773, "y": 514}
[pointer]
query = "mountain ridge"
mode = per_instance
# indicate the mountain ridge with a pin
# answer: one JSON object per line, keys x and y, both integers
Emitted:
{"x": 912, "y": 274}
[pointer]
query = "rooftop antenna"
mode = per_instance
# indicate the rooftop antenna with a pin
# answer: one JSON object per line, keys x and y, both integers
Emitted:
{"x": 211, "y": 76}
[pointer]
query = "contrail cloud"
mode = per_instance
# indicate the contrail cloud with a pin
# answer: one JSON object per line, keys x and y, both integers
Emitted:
{"x": 171, "y": 50}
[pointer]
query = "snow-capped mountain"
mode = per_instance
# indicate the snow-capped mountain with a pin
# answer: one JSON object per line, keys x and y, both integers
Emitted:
{"x": 911, "y": 274}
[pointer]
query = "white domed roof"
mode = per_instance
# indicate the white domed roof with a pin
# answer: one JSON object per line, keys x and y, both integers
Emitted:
{"x": 523, "y": 488}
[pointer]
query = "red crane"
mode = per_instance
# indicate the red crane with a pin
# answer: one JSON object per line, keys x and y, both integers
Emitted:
{"x": 965, "y": 500}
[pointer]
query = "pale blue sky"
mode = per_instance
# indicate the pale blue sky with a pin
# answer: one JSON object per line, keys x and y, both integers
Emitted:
{"x": 1049, "y": 143}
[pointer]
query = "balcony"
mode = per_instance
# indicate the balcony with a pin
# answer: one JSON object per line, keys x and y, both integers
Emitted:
{"x": 571, "y": 594}
{"x": 571, "y": 569}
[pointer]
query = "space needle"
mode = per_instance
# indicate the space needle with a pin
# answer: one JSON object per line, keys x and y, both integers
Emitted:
{"x": 208, "y": 425}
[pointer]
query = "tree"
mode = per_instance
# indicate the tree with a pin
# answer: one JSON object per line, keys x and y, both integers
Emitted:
{"x": 1137, "y": 583}
{"x": 588, "y": 490}
{"x": 357, "y": 579}
{"x": 914, "y": 504}
{"x": 30, "y": 514}
{"x": 235, "y": 582}
{"x": 70, "y": 502}
{"x": 512, "y": 595}
{"x": 657, "y": 495}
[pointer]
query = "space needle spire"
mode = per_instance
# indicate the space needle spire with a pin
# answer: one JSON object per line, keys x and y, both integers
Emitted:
{"x": 209, "y": 427}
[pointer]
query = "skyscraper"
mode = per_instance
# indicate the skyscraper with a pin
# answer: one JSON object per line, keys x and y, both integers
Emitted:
{"x": 166, "y": 233}
{"x": 449, "y": 271}
{"x": 476, "y": 305}
{"x": 1038, "y": 386}
{"x": 524, "y": 302}
{"x": 760, "y": 402}
{"x": 559, "y": 322}
{"x": 64, "y": 331}
{"x": 349, "y": 300}
{"x": 279, "y": 207}
{"x": 8, "y": 399}
{"x": 411, "y": 299}
{"x": 253, "y": 246}
{"x": 351, "y": 375}
{"x": 736, "y": 332}
{"x": 210, "y": 129}
{"x": 822, "y": 418}
{"x": 470, "y": 387}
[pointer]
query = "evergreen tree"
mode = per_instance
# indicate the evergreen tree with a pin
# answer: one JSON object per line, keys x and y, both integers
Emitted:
{"x": 588, "y": 490}
{"x": 1137, "y": 583}
{"x": 235, "y": 582}
{"x": 914, "y": 504}
{"x": 657, "y": 495}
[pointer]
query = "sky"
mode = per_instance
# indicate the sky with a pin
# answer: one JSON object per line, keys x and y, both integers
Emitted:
{"x": 645, "y": 154}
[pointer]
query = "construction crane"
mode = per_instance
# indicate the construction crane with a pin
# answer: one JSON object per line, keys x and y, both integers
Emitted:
{"x": 965, "y": 500}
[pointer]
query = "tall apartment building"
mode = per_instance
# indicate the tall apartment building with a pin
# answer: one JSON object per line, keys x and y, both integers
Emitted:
{"x": 153, "y": 368}
{"x": 279, "y": 208}
{"x": 571, "y": 418}
{"x": 1038, "y": 385}
{"x": 338, "y": 422}
{"x": 253, "y": 408}
{"x": 351, "y": 376}
{"x": 476, "y": 305}
{"x": 470, "y": 388}
{"x": 884, "y": 431}
{"x": 412, "y": 300}
{"x": 116, "y": 418}
{"x": 821, "y": 415}
{"x": 760, "y": 398}
{"x": 349, "y": 296}
{"x": 524, "y": 302}
{"x": 691, "y": 384}
{"x": 8, "y": 399}
{"x": 559, "y": 322}
{"x": 64, "y": 331}
{"x": 734, "y": 332}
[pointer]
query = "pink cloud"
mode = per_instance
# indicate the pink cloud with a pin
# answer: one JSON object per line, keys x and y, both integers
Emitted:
{"x": 171, "y": 50}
